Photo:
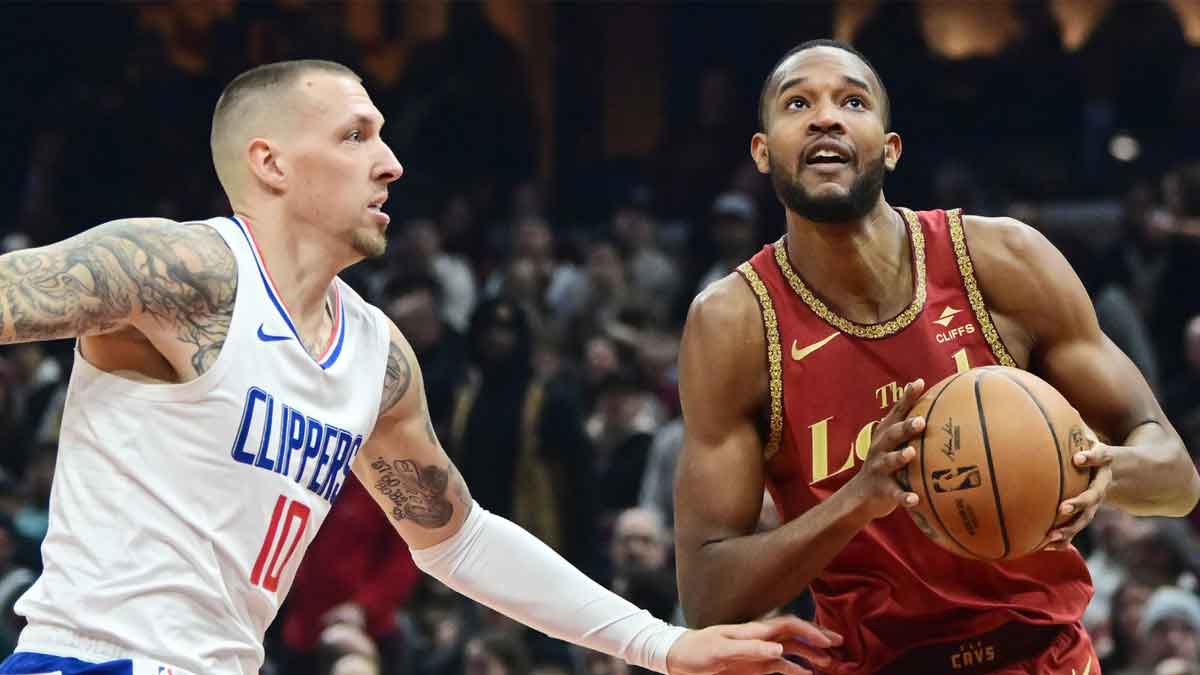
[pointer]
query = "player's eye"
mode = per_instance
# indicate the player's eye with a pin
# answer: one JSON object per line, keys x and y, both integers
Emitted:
{"x": 796, "y": 103}
{"x": 856, "y": 102}
{"x": 355, "y": 135}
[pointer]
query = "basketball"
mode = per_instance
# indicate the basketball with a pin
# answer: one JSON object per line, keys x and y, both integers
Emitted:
{"x": 994, "y": 462}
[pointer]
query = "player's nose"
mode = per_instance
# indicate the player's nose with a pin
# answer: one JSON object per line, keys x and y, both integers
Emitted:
{"x": 826, "y": 119}
{"x": 390, "y": 168}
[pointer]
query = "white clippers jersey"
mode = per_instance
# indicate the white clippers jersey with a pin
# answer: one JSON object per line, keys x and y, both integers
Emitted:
{"x": 180, "y": 512}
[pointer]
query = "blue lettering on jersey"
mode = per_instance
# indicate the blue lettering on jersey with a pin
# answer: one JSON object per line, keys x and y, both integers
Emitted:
{"x": 332, "y": 448}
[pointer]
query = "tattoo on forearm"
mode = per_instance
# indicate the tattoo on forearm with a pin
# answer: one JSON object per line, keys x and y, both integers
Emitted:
{"x": 182, "y": 276}
{"x": 396, "y": 377}
{"x": 417, "y": 493}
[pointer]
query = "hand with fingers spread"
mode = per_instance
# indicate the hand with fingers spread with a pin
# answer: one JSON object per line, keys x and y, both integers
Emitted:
{"x": 876, "y": 486}
{"x": 1084, "y": 505}
{"x": 754, "y": 648}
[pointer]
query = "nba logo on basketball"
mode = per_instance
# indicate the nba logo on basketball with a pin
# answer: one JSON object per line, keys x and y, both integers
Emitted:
{"x": 960, "y": 478}
{"x": 163, "y": 670}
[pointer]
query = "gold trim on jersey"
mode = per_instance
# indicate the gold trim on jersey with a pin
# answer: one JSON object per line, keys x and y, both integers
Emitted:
{"x": 774, "y": 357}
{"x": 967, "y": 270}
{"x": 870, "y": 331}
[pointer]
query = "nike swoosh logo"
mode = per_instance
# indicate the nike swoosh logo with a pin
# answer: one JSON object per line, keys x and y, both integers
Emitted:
{"x": 270, "y": 338}
{"x": 799, "y": 353}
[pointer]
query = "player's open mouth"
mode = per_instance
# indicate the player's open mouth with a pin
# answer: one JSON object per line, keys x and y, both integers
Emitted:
{"x": 827, "y": 152}
{"x": 376, "y": 207}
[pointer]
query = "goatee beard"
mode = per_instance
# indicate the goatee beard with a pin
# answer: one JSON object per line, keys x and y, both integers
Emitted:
{"x": 857, "y": 203}
{"x": 369, "y": 244}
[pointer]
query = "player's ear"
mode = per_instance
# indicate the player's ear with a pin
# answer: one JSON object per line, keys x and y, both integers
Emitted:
{"x": 759, "y": 152}
{"x": 891, "y": 150}
{"x": 265, "y": 163}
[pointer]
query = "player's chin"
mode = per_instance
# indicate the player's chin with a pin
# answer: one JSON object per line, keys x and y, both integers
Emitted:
{"x": 828, "y": 189}
{"x": 369, "y": 242}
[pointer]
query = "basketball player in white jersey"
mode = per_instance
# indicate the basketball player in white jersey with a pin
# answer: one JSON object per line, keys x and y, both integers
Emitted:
{"x": 226, "y": 382}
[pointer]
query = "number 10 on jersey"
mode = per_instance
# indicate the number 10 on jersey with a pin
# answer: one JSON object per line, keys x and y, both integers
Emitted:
{"x": 288, "y": 516}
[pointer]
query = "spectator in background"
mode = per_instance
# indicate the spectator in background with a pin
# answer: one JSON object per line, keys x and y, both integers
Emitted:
{"x": 496, "y": 653}
{"x": 1175, "y": 298}
{"x": 436, "y": 625}
{"x": 14, "y": 580}
{"x": 32, "y": 518}
{"x": 35, "y": 383}
{"x": 658, "y": 480}
{"x": 357, "y": 572}
{"x": 653, "y": 275}
{"x": 640, "y": 557}
{"x": 734, "y": 231}
{"x": 412, "y": 301}
{"x": 1117, "y": 642}
{"x": 453, "y": 273}
{"x": 1169, "y": 628}
{"x": 546, "y": 285}
{"x": 1182, "y": 400}
{"x": 1115, "y": 538}
{"x": 621, "y": 427}
{"x": 518, "y": 437}
{"x": 345, "y": 649}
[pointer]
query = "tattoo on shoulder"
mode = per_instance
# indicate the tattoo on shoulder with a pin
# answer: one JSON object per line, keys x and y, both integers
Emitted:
{"x": 417, "y": 493}
{"x": 180, "y": 275}
{"x": 396, "y": 378}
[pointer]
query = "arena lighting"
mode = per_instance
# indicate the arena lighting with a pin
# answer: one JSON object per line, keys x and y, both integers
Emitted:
{"x": 1124, "y": 148}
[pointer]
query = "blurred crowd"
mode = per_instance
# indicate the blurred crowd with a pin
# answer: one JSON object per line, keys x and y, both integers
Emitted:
{"x": 546, "y": 314}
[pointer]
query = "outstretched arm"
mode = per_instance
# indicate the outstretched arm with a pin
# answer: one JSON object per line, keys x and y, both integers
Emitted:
{"x": 1147, "y": 469}
{"x": 500, "y": 565}
{"x": 149, "y": 273}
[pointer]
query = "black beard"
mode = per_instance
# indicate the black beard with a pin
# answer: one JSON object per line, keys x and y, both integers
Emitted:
{"x": 858, "y": 202}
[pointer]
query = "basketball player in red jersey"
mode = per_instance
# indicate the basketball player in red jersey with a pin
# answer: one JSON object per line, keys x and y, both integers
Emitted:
{"x": 788, "y": 366}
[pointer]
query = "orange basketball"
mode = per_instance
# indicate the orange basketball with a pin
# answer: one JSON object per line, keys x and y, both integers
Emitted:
{"x": 994, "y": 463}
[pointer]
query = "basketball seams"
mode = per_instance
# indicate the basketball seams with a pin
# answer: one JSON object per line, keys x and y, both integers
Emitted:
{"x": 1062, "y": 478}
{"x": 987, "y": 448}
{"x": 925, "y": 474}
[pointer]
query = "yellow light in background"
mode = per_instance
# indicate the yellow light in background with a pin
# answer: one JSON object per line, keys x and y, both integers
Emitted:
{"x": 1188, "y": 12}
{"x": 1077, "y": 19}
{"x": 961, "y": 30}
{"x": 849, "y": 16}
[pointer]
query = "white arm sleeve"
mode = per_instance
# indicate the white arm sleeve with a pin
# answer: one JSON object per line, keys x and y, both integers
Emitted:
{"x": 498, "y": 564}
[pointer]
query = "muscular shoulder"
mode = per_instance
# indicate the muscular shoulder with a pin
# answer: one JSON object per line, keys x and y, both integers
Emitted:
{"x": 1000, "y": 245}
{"x": 1023, "y": 276}
{"x": 724, "y": 343}
{"x": 726, "y": 309}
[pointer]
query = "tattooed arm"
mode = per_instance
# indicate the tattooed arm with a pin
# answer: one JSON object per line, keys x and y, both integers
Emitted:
{"x": 403, "y": 466}
{"x": 149, "y": 273}
{"x": 498, "y": 564}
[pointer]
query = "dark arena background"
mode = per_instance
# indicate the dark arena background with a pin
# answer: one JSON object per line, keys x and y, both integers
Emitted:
{"x": 574, "y": 174}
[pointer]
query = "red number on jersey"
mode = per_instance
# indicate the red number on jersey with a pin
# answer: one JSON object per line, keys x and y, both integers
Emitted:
{"x": 296, "y": 513}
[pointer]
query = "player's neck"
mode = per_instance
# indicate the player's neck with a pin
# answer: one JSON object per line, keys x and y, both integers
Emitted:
{"x": 300, "y": 265}
{"x": 863, "y": 269}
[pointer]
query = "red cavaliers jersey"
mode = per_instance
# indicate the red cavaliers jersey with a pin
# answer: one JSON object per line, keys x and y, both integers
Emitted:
{"x": 831, "y": 382}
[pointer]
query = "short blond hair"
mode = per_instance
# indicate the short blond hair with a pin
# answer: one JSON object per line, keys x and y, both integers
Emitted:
{"x": 253, "y": 88}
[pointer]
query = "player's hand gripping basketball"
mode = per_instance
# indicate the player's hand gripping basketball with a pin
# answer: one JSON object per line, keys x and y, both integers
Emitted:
{"x": 876, "y": 487}
{"x": 754, "y": 648}
{"x": 1084, "y": 505}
